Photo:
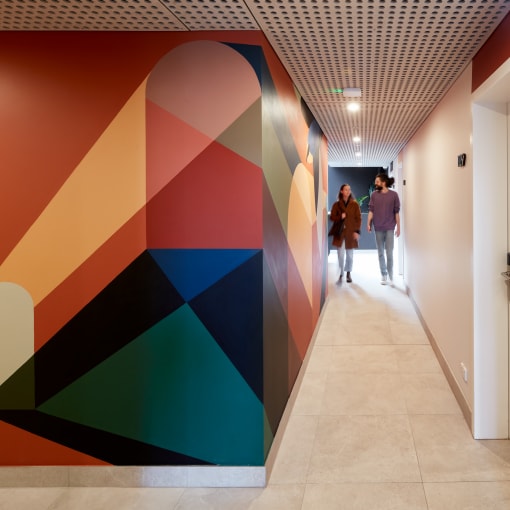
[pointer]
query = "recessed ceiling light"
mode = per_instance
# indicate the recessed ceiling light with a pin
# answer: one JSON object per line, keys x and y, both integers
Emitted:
{"x": 353, "y": 107}
{"x": 358, "y": 154}
{"x": 356, "y": 139}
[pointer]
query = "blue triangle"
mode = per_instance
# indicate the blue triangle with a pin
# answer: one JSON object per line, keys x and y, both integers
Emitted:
{"x": 193, "y": 271}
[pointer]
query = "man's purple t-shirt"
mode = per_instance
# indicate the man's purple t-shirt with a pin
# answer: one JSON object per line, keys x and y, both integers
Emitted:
{"x": 384, "y": 206}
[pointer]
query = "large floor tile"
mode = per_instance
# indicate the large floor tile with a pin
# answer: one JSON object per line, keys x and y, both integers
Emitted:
{"x": 380, "y": 496}
{"x": 363, "y": 394}
{"x": 468, "y": 495}
{"x": 99, "y": 498}
{"x": 321, "y": 359}
{"x": 407, "y": 333}
{"x": 367, "y": 331}
{"x": 363, "y": 449}
{"x": 448, "y": 453}
{"x": 239, "y": 498}
{"x": 279, "y": 497}
{"x": 363, "y": 359}
{"x": 291, "y": 464}
{"x": 500, "y": 447}
{"x": 29, "y": 498}
{"x": 429, "y": 394}
{"x": 417, "y": 359}
{"x": 311, "y": 393}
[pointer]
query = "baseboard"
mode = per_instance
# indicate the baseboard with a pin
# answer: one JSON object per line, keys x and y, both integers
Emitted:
{"x": 133, "y": 476}
{"x": 459, "y": 396}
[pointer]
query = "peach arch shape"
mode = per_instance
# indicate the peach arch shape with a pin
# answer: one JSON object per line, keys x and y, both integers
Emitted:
{"x": 194, "y": 94}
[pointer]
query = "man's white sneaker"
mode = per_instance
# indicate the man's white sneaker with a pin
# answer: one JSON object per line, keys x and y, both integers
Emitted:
{"x": 384, "y": 280}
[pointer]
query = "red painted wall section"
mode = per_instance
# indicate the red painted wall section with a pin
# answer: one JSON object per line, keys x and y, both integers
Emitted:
{"x": 223, "y": 211}
{"x": 492, "y": 54}
{"x": 36, "y": 451}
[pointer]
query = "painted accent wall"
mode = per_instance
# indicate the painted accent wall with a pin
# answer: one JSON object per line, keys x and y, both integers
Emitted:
{"x": 492, "y": 54}
{"x": 164, "y": 255}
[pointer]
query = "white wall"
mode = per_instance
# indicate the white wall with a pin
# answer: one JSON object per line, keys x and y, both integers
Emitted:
{"x": 438, "y": 238}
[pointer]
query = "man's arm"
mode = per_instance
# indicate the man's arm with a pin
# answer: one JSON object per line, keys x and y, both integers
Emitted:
{"x": 369, "y": 221}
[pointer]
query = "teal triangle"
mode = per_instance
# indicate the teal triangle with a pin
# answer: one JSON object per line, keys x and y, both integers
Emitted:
{"x": 174, "y": 388}
{"x": 193, "y": 271}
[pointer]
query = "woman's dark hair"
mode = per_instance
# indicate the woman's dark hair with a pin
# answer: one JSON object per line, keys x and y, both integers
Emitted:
{"x": 386, "y": 179}
{"x": 340, "y": 192}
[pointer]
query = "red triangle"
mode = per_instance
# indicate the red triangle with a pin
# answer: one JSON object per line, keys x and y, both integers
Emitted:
{"x": 21, "y": 448}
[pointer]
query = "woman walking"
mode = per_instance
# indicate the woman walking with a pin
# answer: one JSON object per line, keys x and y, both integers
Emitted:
{"x": 346, "y": 209}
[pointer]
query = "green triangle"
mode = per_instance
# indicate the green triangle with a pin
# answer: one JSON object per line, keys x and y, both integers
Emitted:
{"x": 174, "y": 388}
{"x": 17, "y": 392}
{"x": 246, "y": 127}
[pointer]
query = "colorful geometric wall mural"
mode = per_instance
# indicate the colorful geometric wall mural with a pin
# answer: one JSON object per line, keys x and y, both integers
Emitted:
{"x": 174, "y": 268}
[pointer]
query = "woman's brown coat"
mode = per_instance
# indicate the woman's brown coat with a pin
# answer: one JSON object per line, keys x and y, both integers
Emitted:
{"x": 352, "y": 222}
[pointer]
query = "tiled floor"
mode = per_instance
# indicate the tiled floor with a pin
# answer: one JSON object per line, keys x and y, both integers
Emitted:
{"x": 375, "y": 426}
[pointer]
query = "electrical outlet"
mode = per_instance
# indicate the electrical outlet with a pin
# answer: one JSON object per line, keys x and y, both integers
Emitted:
{"x": 464, "y": 372}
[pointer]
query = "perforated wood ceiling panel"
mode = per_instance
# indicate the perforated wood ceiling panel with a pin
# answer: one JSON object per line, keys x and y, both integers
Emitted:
{"x": 403, "y": 54}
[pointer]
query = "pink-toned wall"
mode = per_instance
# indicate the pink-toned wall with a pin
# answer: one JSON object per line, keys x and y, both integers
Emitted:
{"x": 438, "y": 216}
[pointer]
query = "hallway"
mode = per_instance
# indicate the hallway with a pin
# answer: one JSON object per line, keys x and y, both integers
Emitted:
{"x": 374, "y": 426}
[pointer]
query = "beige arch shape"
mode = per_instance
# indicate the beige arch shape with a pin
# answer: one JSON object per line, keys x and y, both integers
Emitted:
{"x": 16, "y": 328}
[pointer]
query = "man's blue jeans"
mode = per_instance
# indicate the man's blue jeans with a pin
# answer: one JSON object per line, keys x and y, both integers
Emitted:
{"x": 385, "y": 240}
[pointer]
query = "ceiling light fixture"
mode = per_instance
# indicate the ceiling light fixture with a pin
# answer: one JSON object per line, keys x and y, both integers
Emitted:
{"x": 347, "y": 92}
{"x": 353, "y": 107}
{"x": 351, "y": 92}
{"x": 356, "y": 139}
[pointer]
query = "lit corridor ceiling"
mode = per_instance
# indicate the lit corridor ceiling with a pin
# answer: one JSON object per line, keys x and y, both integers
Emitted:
{"x": 403, "y": 54}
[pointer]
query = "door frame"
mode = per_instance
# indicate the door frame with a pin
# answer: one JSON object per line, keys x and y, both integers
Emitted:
{"x": 491, "y": 356}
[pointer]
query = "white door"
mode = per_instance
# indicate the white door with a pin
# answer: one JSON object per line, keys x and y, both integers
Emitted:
{"x": 491, "y": 235}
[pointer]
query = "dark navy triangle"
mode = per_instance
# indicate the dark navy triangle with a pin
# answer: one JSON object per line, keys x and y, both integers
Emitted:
{"x": 232, "y": 311}
{"x": 133, "y": 302}
{"x": 111, "y": 448}
{"x": 253, "y": 54}
{"x": 193, "y": 271}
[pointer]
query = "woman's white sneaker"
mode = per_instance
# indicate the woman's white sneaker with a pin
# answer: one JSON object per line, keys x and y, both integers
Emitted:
{"x": 384, "y": 279}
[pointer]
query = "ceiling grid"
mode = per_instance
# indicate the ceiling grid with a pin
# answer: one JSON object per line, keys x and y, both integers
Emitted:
{"x": 404, "y": 55}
